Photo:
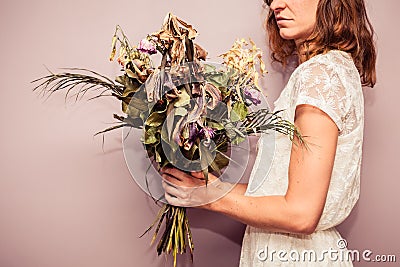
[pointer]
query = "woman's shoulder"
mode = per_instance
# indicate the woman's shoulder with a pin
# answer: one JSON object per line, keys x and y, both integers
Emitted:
{"x": 331, "y": 60}
{"x": 334, "y": 63}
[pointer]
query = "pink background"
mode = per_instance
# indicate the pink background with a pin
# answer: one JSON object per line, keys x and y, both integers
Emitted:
{"x": 66, "y": 203}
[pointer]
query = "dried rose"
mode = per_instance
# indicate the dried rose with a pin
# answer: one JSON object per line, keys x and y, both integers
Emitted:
{"x": 252, "y": 95}
{"x": 145, "y": 46}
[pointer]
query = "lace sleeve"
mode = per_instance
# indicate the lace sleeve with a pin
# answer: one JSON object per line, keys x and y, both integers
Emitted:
{"x": 319, "y": 85}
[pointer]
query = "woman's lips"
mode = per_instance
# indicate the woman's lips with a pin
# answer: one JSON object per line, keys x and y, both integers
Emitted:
{"x": 281, "y": 20}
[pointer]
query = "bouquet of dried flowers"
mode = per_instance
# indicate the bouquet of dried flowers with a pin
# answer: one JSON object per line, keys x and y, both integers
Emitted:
{"x": 190, "y": 110}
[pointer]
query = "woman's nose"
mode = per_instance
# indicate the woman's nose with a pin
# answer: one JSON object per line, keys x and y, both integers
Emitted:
{"x": 277, "y": 5}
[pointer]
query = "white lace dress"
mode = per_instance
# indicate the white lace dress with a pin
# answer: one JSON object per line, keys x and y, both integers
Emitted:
{"x": 330, "y": 82}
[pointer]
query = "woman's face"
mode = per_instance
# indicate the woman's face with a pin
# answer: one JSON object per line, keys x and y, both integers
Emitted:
{"x": 295, "y": 18}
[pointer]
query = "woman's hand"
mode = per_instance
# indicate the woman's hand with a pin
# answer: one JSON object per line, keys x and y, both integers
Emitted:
{"x": 190, "y": 190}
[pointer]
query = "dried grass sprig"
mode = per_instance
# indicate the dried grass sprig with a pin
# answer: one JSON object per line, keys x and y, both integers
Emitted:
{"x": 67, "y": 81}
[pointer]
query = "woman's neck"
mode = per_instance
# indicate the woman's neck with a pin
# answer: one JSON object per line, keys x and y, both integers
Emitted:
{"x": 303, "y": 49}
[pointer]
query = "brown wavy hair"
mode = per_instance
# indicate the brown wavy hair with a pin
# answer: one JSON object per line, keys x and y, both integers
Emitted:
{"x": 341, "y": 25}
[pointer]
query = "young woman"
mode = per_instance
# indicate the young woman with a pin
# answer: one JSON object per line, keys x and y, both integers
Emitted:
{"x": 308, "y": 190}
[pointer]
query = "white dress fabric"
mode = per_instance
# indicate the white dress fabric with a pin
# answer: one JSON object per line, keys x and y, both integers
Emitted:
{"x": 331, "y": 83}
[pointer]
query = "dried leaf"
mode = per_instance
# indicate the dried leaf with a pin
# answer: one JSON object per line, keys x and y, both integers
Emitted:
{"x": 155, "y": 119}
{"x": 113, "y": 47}
{"x": 192, "y": 32}
{"x": 199, "y": 52}
{"x": 150, "y": 136}
{"x": 183, "y": 99}
{"x": 131, "y": 85}
{"x": 239, "y": 111}
{"x": 215, "y": 95}
{"x": 179, "y": 111}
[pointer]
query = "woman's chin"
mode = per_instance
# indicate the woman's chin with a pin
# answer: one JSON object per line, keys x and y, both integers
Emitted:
{"x": 285, "y": 35}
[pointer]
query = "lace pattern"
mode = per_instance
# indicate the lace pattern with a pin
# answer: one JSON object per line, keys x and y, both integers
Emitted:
{"x": 331, "y": 83}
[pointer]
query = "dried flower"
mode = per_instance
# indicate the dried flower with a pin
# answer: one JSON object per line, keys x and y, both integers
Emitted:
{"x": 193, "y": 134}
{"x": 252, "y": 95}
{"x": 244, "y": 59}
{"x": 193, "y": 131}
{"x": 207, "y": 132}
{"x": 113, "y": 47}
{"x": 214, "y": 95}
{"x": 145, "y": 46}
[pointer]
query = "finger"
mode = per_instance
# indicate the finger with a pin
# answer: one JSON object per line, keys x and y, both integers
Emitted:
{"x": 168, "y": 187}
{"x": 171, "y": 179}
{"x": 176, "y": 201}
{"x": 188, "y": 182}
{"x": 168, "y": 173}
{"x": 212, "y": 177}
{"x": 167, "y": 169}
{"x": 164, "y": 169}
{"x": 176, "y": 173}
{"x": 173, "y": 191}
{"x": 171, "y": 200}
{"x": 199, "y": 175}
